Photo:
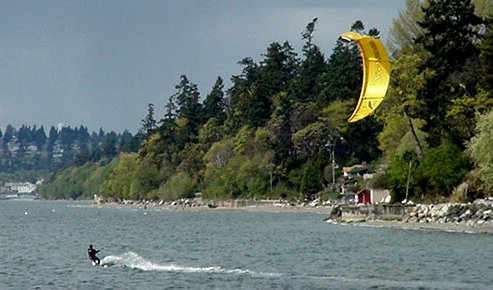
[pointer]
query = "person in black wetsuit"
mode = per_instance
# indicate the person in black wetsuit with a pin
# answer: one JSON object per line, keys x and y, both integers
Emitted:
{"x": 92, "y": 255}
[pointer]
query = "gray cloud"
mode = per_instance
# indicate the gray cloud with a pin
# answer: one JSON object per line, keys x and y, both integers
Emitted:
{"x": 98, "y": 63}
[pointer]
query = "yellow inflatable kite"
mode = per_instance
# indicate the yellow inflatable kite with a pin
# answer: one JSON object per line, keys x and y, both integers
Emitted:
{"x": 376, "y": 74}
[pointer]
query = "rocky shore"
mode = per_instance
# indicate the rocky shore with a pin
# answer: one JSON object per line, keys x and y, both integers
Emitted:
{"x": 475, "y": 217}
{"x": 476, "y": 213}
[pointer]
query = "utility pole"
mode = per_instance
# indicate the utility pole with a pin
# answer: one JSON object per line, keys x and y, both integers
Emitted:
{"x": 333, "y": 167}
{"x": 408, "y": 179}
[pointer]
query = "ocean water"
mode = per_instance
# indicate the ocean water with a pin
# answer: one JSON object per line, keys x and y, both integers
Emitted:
{"x": 43, "y": 246}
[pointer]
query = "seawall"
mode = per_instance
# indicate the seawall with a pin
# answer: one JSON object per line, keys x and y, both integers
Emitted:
{"x": 365, "y": 212}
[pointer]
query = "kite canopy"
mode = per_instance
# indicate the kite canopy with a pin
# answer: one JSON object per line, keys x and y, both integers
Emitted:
{"x": 376, "y": 74}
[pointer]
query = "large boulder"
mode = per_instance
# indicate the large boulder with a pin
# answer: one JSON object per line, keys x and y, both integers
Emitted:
{"x": 335, "y": 213}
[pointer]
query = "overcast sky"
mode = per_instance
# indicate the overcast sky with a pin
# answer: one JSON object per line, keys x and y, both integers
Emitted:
{"x": 99, "y": 63}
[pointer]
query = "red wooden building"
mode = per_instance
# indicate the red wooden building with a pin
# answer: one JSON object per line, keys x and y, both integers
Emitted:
{"x": 363, "y": 196}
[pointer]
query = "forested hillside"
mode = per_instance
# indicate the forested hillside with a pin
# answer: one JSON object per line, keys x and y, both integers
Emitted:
{"x": 28, "y": 153}
{"x": 30, "y": 148}
{"x": 274, "y": 131}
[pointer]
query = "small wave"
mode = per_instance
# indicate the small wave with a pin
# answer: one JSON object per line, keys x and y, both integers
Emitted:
{"x": 377, "y": 283}
{"x": 134, "y": 261}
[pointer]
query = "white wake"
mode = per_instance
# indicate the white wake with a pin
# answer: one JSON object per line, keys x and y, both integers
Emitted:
{"x": 134, "y": 261}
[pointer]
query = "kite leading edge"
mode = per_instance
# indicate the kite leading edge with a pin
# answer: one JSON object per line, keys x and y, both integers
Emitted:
{"x": 376, "y": 74}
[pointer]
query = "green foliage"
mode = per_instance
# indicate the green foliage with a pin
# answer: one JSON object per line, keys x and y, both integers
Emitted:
{"x": 450, "y": 36}
{"x": 214, "y": 104}
{"x": 180, "y": 185}
{"x": 120, "y": 177}
{"x": 343, "y": 77}
{"x": 336, "y": 114}
{"x": 400, "y": 128}
{"x": 310, "y": 181}
{"x": 441, "y": 169}
{"x": 131, "y": 178}
{"x": 480, "y": 150}
{"x": 145, "y": 178}
{"x": 224, "y": 183}
{"x": 148, "y": 124}
{"x": 436, "y": 174}
{"x": 239, "y": 167}
{"x": 192, "y": 161}
{"x": 251, "y": 94}
{"x": 218, "y": 155}
{"x": 243, "y": 141}
{"x": 405, "y": 28}
{"x": 304, "y": 85}
{"x": 395, "y": 177}
{"x": 80, "y": 182}
{"x": 283, "y": 191}
{"x": 486, "y": 58}
{"x": 252, "y": 178}
{"x": 210, "y": 132}
{"x": 311, "y": 139}
{"x": 31, "y": 176}
{"x": 361, "y": 138}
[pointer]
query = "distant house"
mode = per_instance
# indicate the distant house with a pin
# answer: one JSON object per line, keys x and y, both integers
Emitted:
{"x": 20, "y": 187}
{"x": 357, "y": 169}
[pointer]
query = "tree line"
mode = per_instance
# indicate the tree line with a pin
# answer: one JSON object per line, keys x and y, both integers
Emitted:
{"x": 275, "y": 131}
{"x": 30, "y": 148}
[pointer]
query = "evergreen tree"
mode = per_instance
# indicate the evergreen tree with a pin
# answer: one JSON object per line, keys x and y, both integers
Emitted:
{"x": 343, "y": 78}
{"x": 9, "y": 134}
{"x": 280, "y": 126}
{"x": 148, "y": 124}
{"x": 450, "y": 34}
{"x": 187, "y": 99}
{"x": 214, "y": 105}
{"x": 167, "y": 127}
{"x": 108, "y": 146}
{"x": 308, "y": 34}
{"x": 241, "y": 95}
{"x": 252, "y": 92}
{"x": 189, "y": 108}
{"x": 486, "y": 59}
{"x": 277, "y": 69}
{"x": 40, "y": 137}
{"x": 53, "y": 135}
{"x": 305, "y": 86}
{"x": 101, "y": 134}
{"x": 24, "y": 135}
{"x": 67, "y": 136}
{"x": 310, "y": 181}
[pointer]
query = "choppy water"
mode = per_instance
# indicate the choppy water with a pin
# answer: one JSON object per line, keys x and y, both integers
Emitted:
{"x": 43, "y": 246}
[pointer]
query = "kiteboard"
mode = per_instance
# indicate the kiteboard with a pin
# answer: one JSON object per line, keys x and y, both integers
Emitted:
{"x": 104, "y": 265}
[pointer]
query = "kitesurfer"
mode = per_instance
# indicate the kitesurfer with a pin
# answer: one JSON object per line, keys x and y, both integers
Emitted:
{"x": 92, "y": 255}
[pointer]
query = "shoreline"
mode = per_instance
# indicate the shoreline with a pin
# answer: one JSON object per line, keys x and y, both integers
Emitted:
{"x": 253, "y": 208}
{"x": 356, "y": 220}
